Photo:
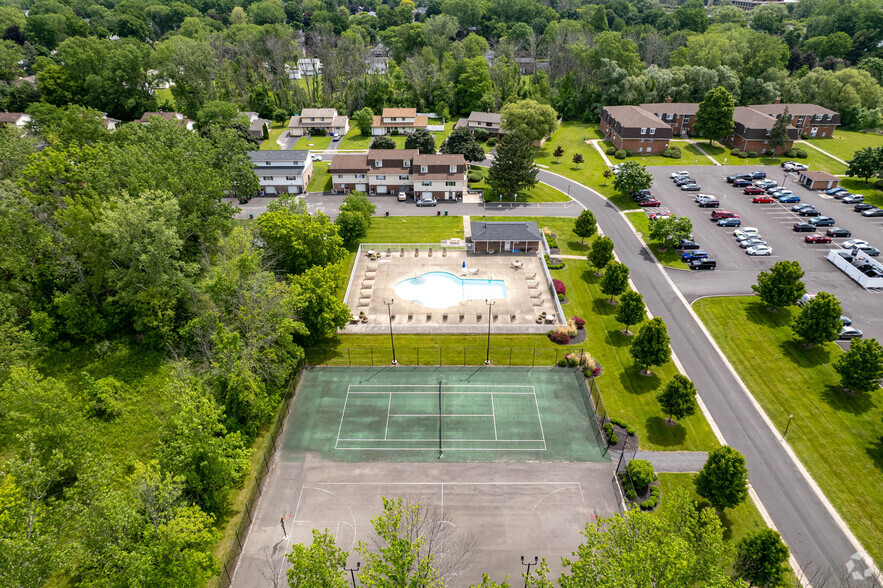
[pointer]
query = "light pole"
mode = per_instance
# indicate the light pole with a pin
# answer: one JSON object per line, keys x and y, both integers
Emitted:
{"x": 790, "y": 416}
{"x": 536, "y": 560}
{"x": 353, "y": 571}
{"x": 487, "y": 357}
{"x": 391, "y": 340}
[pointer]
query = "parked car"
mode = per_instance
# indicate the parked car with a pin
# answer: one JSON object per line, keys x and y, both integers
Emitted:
{"x": 849, "y": 333}
{"x": 700, "y": 197}
{"x": 752, "y": 190}
{"x": 838, "y": 232}
{"x": 868, "y": 250}
{"x": 709, "y": 203}
{"x": 766, "y": 184}
{"x": 735, "y": 177}
{"x": 422, "y": 201}
{"x": 691, "y": 187}
{"x": 658, "y": 215}
{"x": 822, "y": 221}
{"x": 789, "y": 199}
{"x": 871, "y": 212}
{"x": 682, "y": 172}
{"x": 745, "y": 231}
{"x": 793, "y": 166}
{"x": 650, "y": 202}
{"x": 690, "y": 255}
{"x": 809, "y": 212}
{"x": 762, "y": 200}
{"x": 703, "y": 264}
{"x": 782, "y": 194}
{"x": 719, "y": 214}
{"x": 641, "y": 197}
{"x": 805, "y": 298}
{"x": 758, "y": 175}
{"x": 643, "y": 192}
{"x": 853, "y": 199}
{"x": 845, "y": 320}
{"x": 804, "y": 228}
{"x": 747, "y": 236}
{"x": 742, "y": 183}
{"x": 853, "y": 243}
{"x": 759, "y": 250}
{"x": 799, "y": 207}
{"x": 749, "y": 243}
{"x": 787, "y": 163}
{"x": 729, "y": 222}
{"x": 774, "y": 189}
{"x": 680, "y": 181}
{"x": 863, "y": 206}
{"x": 833, "y": 191}
{"x": 817, "y": 238}
{"x": 687, "y": 244}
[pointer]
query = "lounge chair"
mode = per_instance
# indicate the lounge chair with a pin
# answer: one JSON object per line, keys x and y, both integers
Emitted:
{"x": 410, "y": 316}
{"x": 533, "y": 285}
{"x": 512, "y": 317}
{"x": 532, "y": 276}
{"x": 536, "y": 295}
{"x": 402, "y": 252}
{"x": 478, "y": 317}
{"x": 496, "y": 316}
{"x": 430, "y": 252}
{"x": 537, "y": 302}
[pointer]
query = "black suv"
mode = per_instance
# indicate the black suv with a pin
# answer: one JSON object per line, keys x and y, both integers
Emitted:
{"x": 838, "y": 232}
{"x": 701, "y": 264}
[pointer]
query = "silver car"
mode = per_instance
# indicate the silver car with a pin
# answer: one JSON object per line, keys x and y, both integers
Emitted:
{"x": 746, "y": 243}
{"x": 853, "y": 199}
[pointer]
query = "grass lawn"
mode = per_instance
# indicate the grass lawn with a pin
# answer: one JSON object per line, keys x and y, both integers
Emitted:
{"x": 539, "y": 193}
{"x": 816, "y": 160}
{"x": 354, "y": 141}
{"x": 164, "y": 95}
{"x": 689, "y": 156}
{"x": 413, "y": 229}
{"x": 321, "y": 180}
{"x": 867, "y": 189}
{"x": 844, "y": 144}
{"x": 276, "y": 131}
{"x": 560, "y": 226}
{"x": 837, "y": 437}
{"x": 313, "y": 143}
{"x": 668, "y": 257}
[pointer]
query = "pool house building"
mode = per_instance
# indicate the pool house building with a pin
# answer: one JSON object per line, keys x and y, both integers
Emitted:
{"x": 501, "y": 237}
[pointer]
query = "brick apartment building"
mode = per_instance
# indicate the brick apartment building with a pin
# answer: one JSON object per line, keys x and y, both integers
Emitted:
{"x": 680, "y": 116}
{"x": 400, "y": 121}
{"x": 808, "y": 119}
{"x": 382, "y": 172}
{"x": 752, "y": 129}
{"x": 635, "y": 129}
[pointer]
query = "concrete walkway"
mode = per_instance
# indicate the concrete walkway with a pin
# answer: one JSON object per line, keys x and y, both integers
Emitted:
{"x": 822, "y": 151}
{"x": 596, "y": 143}
{"x": 701, "y": 150}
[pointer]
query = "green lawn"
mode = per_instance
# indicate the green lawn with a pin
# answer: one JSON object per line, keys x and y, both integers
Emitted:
{"x": 313, "y": 143}
{"x": 164, "y": 95}
{"x": 815, "y": 160}
{"x": 667, "y": 257}
{"x": 844, "y": 144}
{"x": 413, "y": 229}
{"x": 354, "y": 141}
{"x": 560, "y": 226}
{"x": 689, "y": 156}
{"x": 539, "y": 193}
{"x": 867, "y": 189}
{"x": 276, "y": 131}
{"x": 321, "y": 180}
{"x": 837, "y": 437}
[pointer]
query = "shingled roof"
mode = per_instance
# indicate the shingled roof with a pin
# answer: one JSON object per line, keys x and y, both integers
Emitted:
{"x": 505, "y": 231}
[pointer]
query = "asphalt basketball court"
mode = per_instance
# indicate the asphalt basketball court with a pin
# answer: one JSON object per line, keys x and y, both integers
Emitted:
{"x": 510, "y": 455}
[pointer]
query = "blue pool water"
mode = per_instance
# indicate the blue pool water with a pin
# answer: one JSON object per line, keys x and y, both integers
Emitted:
{"x": 443, "y": 289}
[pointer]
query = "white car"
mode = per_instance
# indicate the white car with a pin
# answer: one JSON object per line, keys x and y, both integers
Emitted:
{"x": 701, "y": 197}
{"x": 853, "y": 243}
{"x": 316, "y": 157}
{"x": 759, "y": 250}
{"x": 853, "y": 199}
{"x": 678, "y": 174}
{"x": 746, "y": 231}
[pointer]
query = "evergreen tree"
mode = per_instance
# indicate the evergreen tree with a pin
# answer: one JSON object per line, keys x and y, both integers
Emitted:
{"x": 513, "y": 168}
{"x": 779, "y": 133}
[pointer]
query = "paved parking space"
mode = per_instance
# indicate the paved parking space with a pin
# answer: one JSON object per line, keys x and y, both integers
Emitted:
{"x": 736, "y": 271}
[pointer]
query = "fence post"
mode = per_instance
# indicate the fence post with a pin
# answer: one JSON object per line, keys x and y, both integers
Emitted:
{"x": 439, "y": 356}
{"x": 556, "y": 357}
{"x": 533, "y": 359}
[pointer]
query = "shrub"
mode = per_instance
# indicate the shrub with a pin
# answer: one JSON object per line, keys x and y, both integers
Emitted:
{"x": 878, "y": 184}
{"x": 551, "y": 240}
{"x": 651, "y": 502}
{"x": 480, "y": 134}
{"x": 394, "y": 133}
{"x": 629, "y": 152}
{"x": 560, "y": 297}
{"x": 560, "y": 339}
{"x": 628, "y": 428}
{"x": 673, "y": 152}
{"x": 611, "y": 434}
{"x": 742, "y": 155}
{"x": 641, "y": 472}
{"x": 475, "y": 176}
{"x": 621, "y": 154}
{"x": 572, "y": 362}
{"x": 579, "y": 322}
{"x": 560, "y": 288}
{"x": 734, "y": 152}
{"x": 610, "y": 150}
{"x": 752, "y": 154}
{"x": 801, "y": 154}
{"x": 554, "y": 266}
{"x": 563, "y": 361}
{"x": 571, "y": 328}
{"x": 492, "y": 142}
{"x": 791, "y": 153}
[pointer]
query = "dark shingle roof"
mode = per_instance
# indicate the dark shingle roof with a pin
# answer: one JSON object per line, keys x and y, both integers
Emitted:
{"x": 634, "y": 117}
{"x": 505, "y": 231}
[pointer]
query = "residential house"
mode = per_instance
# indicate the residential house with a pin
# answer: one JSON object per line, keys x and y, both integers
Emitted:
{"x": 283, "y": 172}
{"x": 512, "y": 236}
{"x": 309, "y": 66}
{"x": 398, "y": 121}
{"x": 752, "y": 130}
{"x": 489, "y": 122}
{"x": 256, "y": 124}
{"x": 378, "y": 59}
{"x": 175, "y": 117}
{"x": 18, "y": 119}
{"x": 635, "y": 129}
{"x": 383, "y": 172}
{"x": 110, "y": 123}
{"x": 680, "y": 116}
{"x": 529, "y": 65}
{"x": 322, "y": 121}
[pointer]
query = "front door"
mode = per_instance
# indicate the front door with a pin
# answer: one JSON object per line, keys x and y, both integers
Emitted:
{"x": 507, "y": 246}
{"x": 813, "y": 132}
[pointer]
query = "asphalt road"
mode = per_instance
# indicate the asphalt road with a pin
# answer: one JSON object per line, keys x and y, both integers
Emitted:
{"x": 820, "y": 546}
{"x": 736, "y": 271}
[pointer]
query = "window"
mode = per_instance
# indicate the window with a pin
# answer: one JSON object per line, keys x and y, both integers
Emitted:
{"x": 686, "y": 118}
{"x": 290, "y": 178}
{"x": 339, "y": 176}
{"x": 266, "y": 163}
{"x": 643, "y": 131}
{"x": 406, "y": 163}
{"x": 453, "y": 169}
{"x": 423, "y": 169}
{"x": 768, "y": 132}
{"x": 360, "y": 176}
{"x": 378, "y": 163}
{"x": 425, "y": 183}
{"x": 268, "y": 178}
{"x": 405, "y": 178}
{"x": 669, "y": 116}
{"x": 830, "y": 117}
{"x": 450, "y": 183}
{"x": 652, "y": 131}
{"x": 381, "y": 177}
{"x": 640, "y": 149}
{"x": 641, "y": 141}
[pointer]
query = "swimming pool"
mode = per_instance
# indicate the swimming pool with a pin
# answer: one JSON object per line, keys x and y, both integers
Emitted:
{"x": 443, "y": 289}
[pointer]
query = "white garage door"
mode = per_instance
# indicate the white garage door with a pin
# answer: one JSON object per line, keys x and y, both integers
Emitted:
{"x": 382, "y": 189}
{"x": 360, "y": 187}
{"x": 270, "y": 189}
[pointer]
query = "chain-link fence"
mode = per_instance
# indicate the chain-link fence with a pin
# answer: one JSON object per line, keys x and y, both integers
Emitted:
{"x": 440, "y": 356}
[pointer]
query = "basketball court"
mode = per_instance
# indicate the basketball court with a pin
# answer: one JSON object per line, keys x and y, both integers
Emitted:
{"x": 511, "y": 457}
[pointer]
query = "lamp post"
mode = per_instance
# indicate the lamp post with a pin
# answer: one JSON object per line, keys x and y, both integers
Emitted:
{"x": 391, "y": 340}
{"x": 353, "y": 571}
{"x": 536, "y": 560}
{"x": 487, "y": 357}
{"x": 790, "y": 416}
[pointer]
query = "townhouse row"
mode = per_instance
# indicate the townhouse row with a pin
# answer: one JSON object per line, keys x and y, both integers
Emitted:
{"x": 399, "y": 172}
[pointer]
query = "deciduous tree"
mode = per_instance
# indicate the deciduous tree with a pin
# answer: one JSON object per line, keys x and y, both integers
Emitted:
{"x": 558, "y": 153}
{"x": 314, "y": 295}
{"x": 723, "y": 480}
{"x": 421, "y": 140}
{"x": 630, "y": 310}
{"x": 298, "y": 242}
{"x": 651, "y": 345}
{"x": 782, "y": 285}
{"x": 762, "y": 558}
{"x": 462, "y": 141}
{"x": 601, "y": 253}
{"x": 865, "y": 163}
{"x": 861, "y": 367}
{"x": 585, "y": 225}
{"x": 678, "y": 398}
{"x": 320, "y": 565}
{"x": 382, "y": 142}
{"x": 819, "y": 320}
{"x": 615, "y": 280}
{"x": 578, "y": 158}
{"x": 536, "y": 121}
{"x": 364, "y": 119}
{"x": 714, "y": 119}
{"x": 632, "y": 177}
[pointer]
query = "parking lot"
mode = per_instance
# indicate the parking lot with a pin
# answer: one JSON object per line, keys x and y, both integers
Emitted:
{"x": 736, "y": 271}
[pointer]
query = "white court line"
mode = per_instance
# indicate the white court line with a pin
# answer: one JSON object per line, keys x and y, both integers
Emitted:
{"x": 494, "y": 411}
{"x": 443, "y": 415}
{"x": 436, "y": 386}
{"x": 443, "y": 392}
{"x": 448, "y": 440}
{"x": 539, "y": 418}
{"x": 388, "y": 408}
{"x": 343, "y": 412}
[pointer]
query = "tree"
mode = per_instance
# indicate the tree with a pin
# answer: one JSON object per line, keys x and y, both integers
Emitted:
{"x": 314, "y": 295}
{"x": 558, "y": 153}
{"x": 723, "y": 480}
{"x": 473, "y": 90}
{"x": 865, "y": 163}
{"x": 670, "y": 230}
{"x": 69, "y": 124}
{"x": 819, "y": 320}
{"x": 266, "y": 12}
{"x": 714, "y": 119}
{"x": 216, "y": 112}
{"x": 360, "y": 203}
{"x": 382, "y": 142}
{"x": 601, "y": 253}
{"x": 300, "y": 241}
{"x": 632, "y": 177}
{"x": 762, "y": 558}
{"x": 513, "y": 168}
{"x": 631, "y": 309}
{"x": 421, "y": 140}
{"x": 861, "y": 367}
{"x": 536, "y": 121}
{"x": 320, "y": 565}
{"x": 678, "y": 398}
{"x": 354, "y": 217}
{"x": 782, "y": 286}
{"x": 779, "y": 133}
{"x": 651, "y": 345}
{"x": 578, "y": 158}
{"x": 364, "y": 119}
{"x": 462, "y": 141}
{"x": 615, "y": 280}
{"x": 14, "y": 151}
{"x": 585, "y": 225}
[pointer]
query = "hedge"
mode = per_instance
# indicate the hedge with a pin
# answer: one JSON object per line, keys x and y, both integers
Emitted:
{"x": 620, "y": 154}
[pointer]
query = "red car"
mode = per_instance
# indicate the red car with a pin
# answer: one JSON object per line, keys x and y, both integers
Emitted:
{"x": 817, "y": 238}
{"x": 752, "y": 190}
{"x": 650, "y": 202}
{"x": 762, "y": 200}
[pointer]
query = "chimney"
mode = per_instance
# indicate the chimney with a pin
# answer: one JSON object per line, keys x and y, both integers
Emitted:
{"x": 668, "y": 100}
{"x": 777, "y": 101}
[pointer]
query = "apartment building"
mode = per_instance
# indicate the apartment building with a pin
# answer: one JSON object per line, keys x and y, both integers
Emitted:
{"x": 282, "y": 172}
{"x": 809, "y": 119}
{"x": 680, "y": 116}
{"x": 398, "y": 121}
{"x": 635, "y": 129}
{"x": 321, "y": 120}
{"x": 752, "y": 130}
{"x": 382, "y": 172}
{"x": 489, "y": 122}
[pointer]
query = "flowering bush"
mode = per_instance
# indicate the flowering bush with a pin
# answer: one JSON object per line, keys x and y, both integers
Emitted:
{"x": 560, "y": 288}
{"x": 559, "y": 337}
{"x": 578, "y": 321}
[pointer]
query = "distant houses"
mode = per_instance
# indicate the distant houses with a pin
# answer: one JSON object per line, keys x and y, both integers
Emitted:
{"x": 18, "y": 119}
{"x": 282, "y": 172}
{"x": 490, "y": 122}
{"x": 324, "y": 121}
{"x": 398, "y": 121}
{"x": 256, "y": 124}
{"x": 175, "y": 117}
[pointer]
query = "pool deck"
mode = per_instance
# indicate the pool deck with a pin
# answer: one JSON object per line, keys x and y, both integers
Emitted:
{"x": 528, "y": 293}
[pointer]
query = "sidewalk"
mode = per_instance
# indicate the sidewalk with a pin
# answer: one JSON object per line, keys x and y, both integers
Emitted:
{"x": 807, "y": 143}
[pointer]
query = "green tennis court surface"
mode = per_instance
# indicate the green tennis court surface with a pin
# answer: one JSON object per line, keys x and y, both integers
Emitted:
{"x": 467, "y": 414}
